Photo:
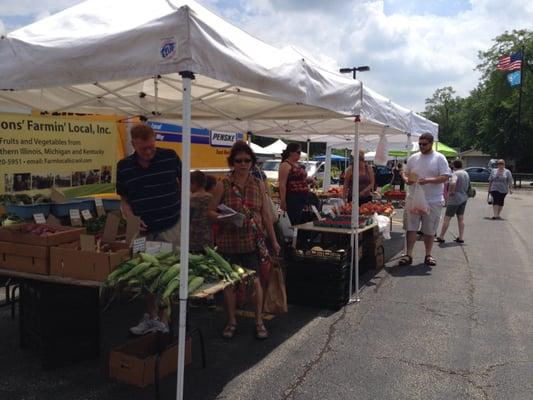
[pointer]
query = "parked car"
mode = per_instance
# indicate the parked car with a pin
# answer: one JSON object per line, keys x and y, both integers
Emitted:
{"x": 478, "y": 174}
{"x": 383, "y": 175}
{"x": 315, "y": 169}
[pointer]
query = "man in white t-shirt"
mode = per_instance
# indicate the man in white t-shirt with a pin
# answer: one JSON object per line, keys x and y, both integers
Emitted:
{"x": 430, "y": 170}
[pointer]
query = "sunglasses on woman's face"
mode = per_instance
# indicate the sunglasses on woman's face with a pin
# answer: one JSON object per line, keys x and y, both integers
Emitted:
{"x": 242, "y": 160}
{"x": 297, "y": 151}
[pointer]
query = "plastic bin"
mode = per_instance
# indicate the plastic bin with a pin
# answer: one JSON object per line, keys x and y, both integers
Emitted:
{"x": 26, "y": 211}
{"x": 111, "y": 204}
{"x": 63, "y": 209}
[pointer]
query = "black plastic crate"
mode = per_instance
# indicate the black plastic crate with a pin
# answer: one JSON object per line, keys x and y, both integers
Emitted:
{"x": 316, "y": 272}
{"x": 59, "y": 322}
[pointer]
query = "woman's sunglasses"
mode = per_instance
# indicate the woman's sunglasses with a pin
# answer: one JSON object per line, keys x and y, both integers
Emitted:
{"x": 242, "y": 160}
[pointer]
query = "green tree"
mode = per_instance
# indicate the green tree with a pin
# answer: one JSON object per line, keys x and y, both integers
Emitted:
{"x": 498, "y": 131}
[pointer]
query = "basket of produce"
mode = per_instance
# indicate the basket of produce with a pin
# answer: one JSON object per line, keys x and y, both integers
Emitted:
{"x": 371, "y": 208}
{"x": 24, "y": 206}
{"x": 394, "y": 195}
{"x": 318, "y": 253}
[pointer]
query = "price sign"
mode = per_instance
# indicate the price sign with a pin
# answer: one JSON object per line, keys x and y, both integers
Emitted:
{"x": 86, "y": 214}
{"x": 139, "y": 245}
{"x": 75, "y": 218}
{"x": 99, "y": 206}
{"x": 39, "y": 218}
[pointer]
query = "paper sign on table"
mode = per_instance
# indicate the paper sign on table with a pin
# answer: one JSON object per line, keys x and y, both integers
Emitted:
{"x": 39, "y": 218}
{"x": 139, "y": 245}
{"x": 75, "y": 217}
{"x": 99, "y": 206}
{"x": 86, "y": 214}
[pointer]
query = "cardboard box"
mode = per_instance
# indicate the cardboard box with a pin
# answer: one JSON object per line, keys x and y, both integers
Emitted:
{"x": 134, "y": 362}
{"x": 16, "y": 234}
{"x": 25, "y": 258}
{"x": 66, "y": 260}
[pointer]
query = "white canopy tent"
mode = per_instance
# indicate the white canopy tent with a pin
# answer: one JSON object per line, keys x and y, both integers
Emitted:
{"x": 173, "y": 59}
{"x": 277, "y": 148}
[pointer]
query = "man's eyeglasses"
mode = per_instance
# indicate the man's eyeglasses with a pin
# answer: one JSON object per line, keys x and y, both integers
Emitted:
{"x": 242, "y": 160}
{"x": 423, "y": 143}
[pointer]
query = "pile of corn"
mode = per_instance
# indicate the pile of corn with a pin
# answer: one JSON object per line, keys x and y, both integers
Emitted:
{"x": 160, "y": 274}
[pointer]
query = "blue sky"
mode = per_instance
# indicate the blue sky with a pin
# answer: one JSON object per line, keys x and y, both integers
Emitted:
{"x": 413, "y": 47}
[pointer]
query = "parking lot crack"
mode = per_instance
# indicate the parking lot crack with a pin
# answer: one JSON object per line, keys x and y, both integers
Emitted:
{"x": 326, "y": 348}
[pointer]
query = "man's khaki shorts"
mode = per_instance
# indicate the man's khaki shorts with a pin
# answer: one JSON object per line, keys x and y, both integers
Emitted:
{"x": 427, "y": 223}
{"x": 171, "y": 235}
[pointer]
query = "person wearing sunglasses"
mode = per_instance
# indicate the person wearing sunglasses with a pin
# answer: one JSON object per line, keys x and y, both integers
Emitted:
{"x": 293, "y": 184}
{"x": 430, "y": 170}
{"x": 243, "y": 245}
{"x": 500, "y": 183}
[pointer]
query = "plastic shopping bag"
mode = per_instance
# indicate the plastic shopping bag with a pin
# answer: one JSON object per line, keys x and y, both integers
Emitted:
{"x": 382, "y": 151}
{"x": 383, "y": 223}
{"x": 285, "y": 225}
{"x": 489, "y": 198}
{"x": 416, "y": 202}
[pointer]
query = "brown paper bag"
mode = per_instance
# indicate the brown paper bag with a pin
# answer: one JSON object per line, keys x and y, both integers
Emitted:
{"x": 275, "y": 295}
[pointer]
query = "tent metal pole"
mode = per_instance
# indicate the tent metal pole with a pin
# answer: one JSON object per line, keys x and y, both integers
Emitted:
{"x": 354, "y": 265}
{"x": 187, "y": 77}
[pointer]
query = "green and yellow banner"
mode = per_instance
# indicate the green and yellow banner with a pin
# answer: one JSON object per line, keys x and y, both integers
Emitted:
{"x": 68, "y": 153}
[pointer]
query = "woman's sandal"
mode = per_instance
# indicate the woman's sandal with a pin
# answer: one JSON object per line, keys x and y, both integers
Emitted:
{"x": 429, "y": 260}
{"x": 457, "y": 240}
{"x": 261, "y": 331}
{"x": 229, "y": 331}
{"x": 439, "y": 240}
{"x": 405, "y": 259}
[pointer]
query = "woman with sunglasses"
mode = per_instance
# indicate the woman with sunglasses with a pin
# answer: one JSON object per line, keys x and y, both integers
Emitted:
{"x": 293, "y": 184}
{"x": 500, "y": 183}
{"x": 366, "y": 181}
{"x": 244, "y": 245}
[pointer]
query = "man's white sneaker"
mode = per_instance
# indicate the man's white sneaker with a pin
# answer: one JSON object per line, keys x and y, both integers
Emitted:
{"x": 143, "y": 327}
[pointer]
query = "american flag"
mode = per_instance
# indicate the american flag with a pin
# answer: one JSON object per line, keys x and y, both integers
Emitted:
{"x": 510, "y": 63}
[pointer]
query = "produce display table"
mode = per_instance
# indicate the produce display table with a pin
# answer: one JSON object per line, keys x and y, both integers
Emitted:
{"x": 210, "y": 289}
{"x": 49, "y": 278}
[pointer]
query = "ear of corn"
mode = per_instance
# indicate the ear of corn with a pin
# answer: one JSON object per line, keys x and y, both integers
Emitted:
{"x": 170, "y": 273}
{"x": 149, "y": 258}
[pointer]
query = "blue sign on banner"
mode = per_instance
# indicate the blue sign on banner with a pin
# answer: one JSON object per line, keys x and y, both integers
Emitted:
{"x": 514, "y": 78}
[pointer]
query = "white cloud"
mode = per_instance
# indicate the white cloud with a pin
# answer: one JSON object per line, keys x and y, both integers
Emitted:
{"x": 410, "y": 54}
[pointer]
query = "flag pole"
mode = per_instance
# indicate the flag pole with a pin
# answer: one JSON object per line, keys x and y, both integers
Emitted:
{"x": 520, "y": 99}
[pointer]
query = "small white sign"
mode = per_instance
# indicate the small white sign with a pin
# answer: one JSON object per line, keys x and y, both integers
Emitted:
{"x": 98, "y": 202}
{"x": 139, "y": 245}
{"x": 86, "y": 214}
{"x": 223, "y": 139}
{"x": 39, "y": 218}
{"x": 74, "y": 213}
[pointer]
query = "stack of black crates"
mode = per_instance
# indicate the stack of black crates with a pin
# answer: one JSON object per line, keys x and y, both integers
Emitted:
{"x": 319, "y": 278}
{"x": 60, "y": 323}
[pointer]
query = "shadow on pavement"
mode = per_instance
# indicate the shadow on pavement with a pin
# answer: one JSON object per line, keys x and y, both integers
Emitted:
{"x": 410, "y": 270}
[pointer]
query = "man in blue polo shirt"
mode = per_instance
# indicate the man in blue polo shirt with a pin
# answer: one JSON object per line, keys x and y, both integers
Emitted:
{"x": 148, "y": 183}
{"x": 149, "y": 187}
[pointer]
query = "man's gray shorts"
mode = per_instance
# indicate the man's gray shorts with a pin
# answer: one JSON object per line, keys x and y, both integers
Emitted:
{"x": 427, "y": 223}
